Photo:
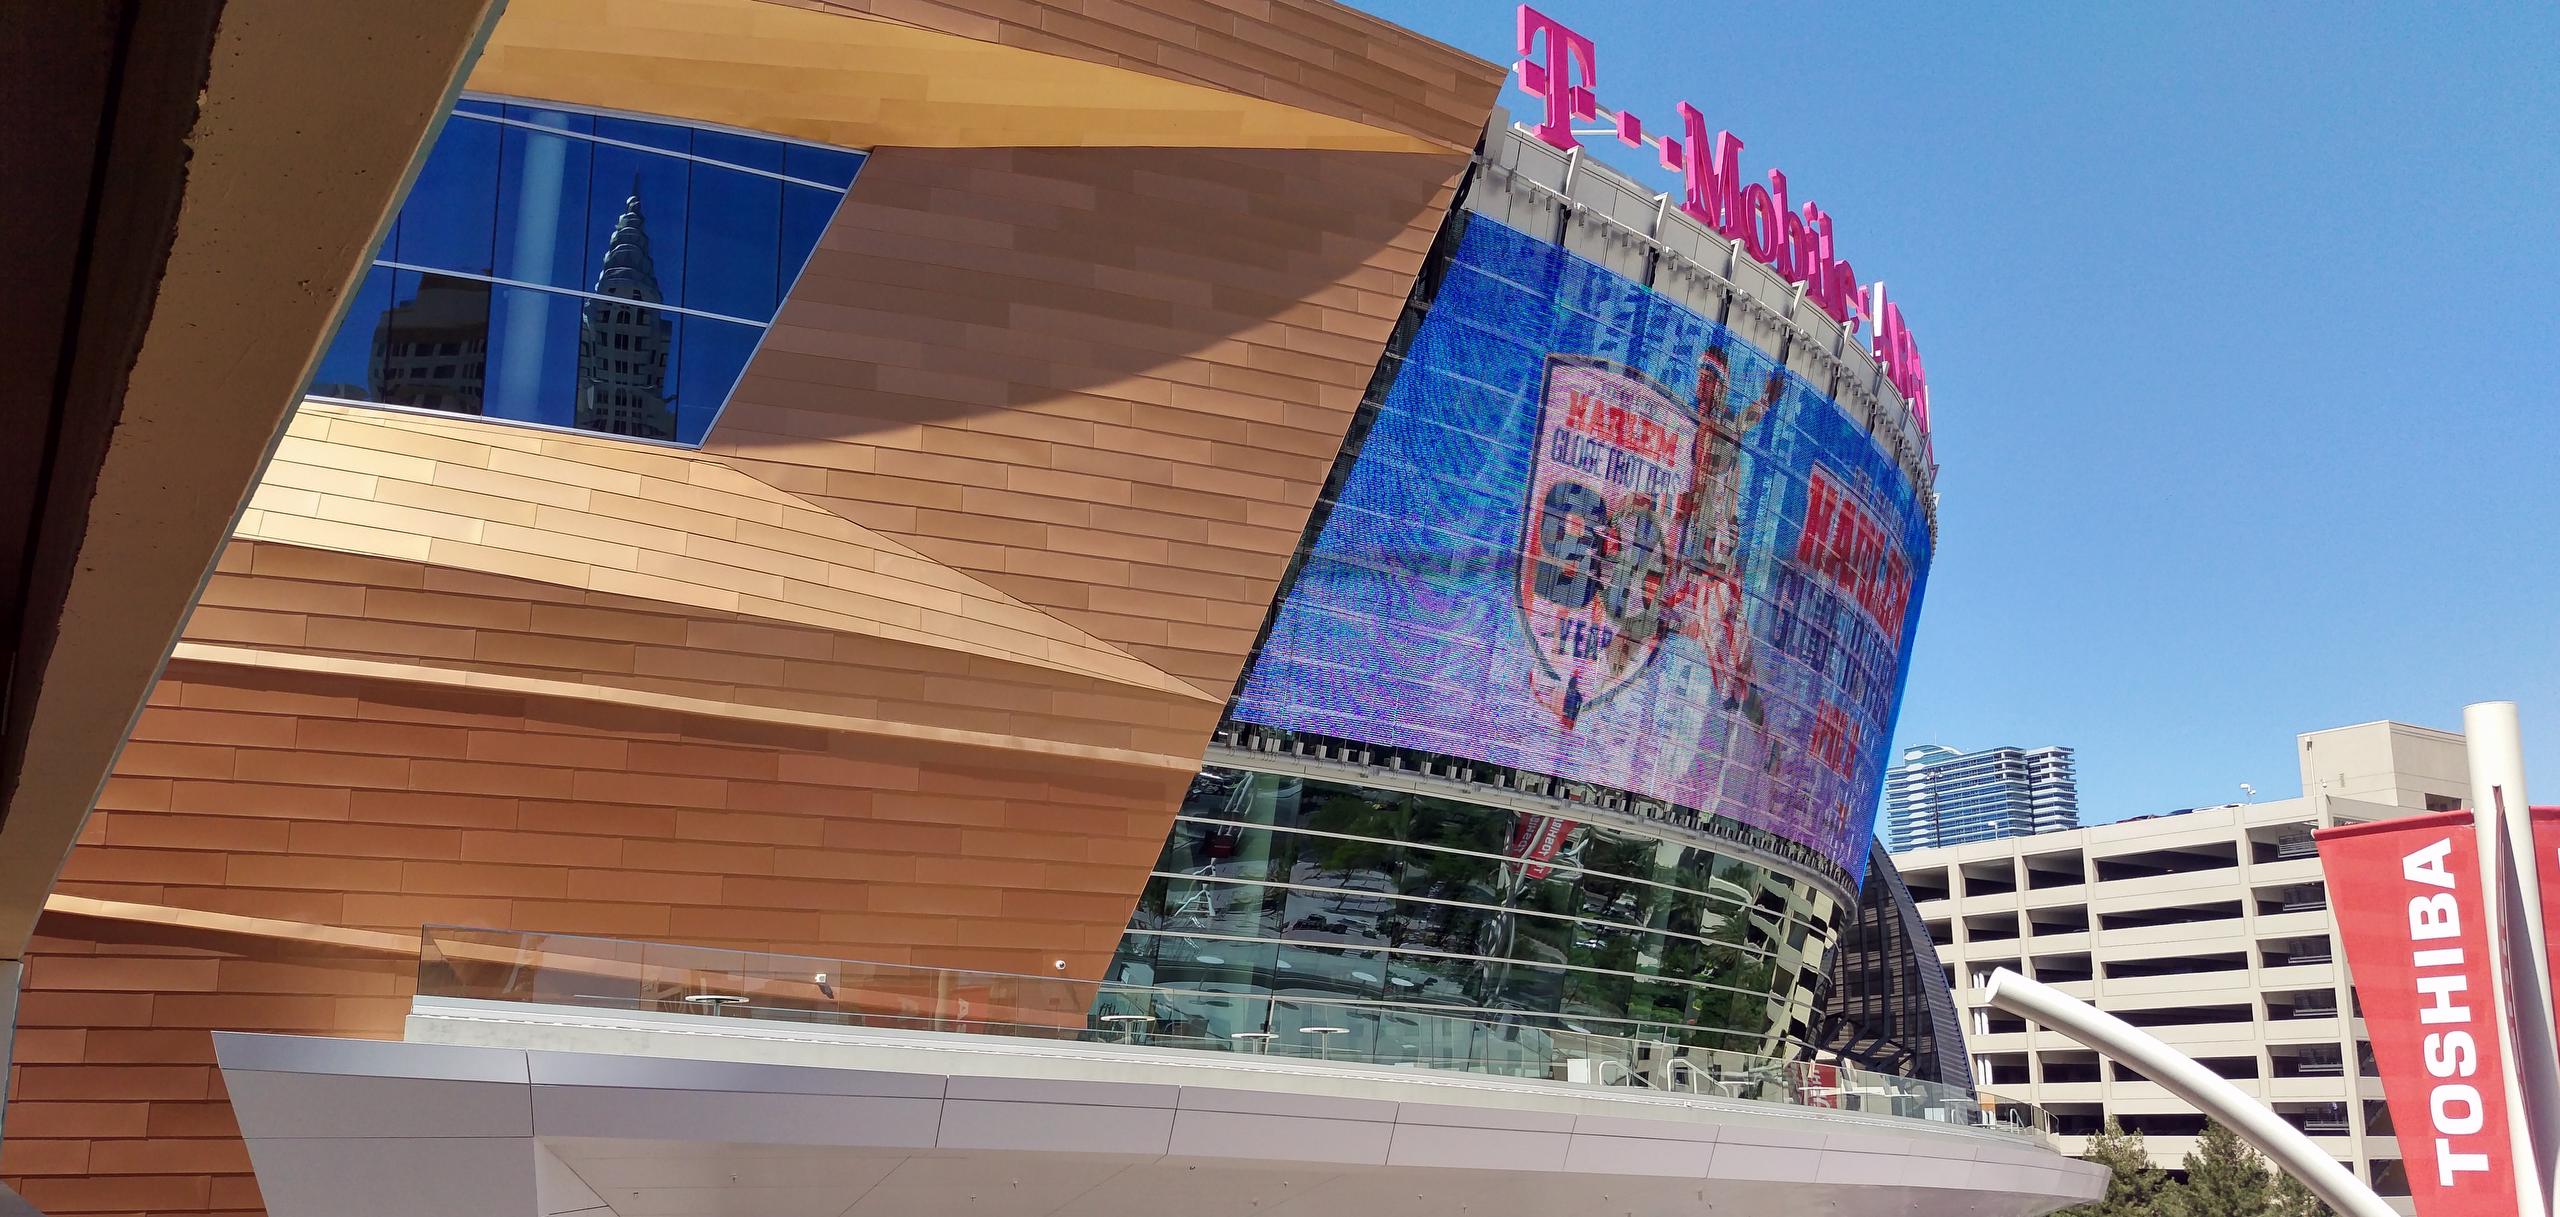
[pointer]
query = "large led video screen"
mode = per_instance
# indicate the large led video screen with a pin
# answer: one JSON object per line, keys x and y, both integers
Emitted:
{"x": 1595, "y": 535}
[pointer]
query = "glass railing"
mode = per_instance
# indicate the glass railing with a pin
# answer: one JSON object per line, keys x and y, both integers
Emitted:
{"x": 617, "y": 975}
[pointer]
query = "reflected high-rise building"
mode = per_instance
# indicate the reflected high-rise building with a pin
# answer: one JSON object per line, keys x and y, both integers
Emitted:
{"x": 513, "y": 287}
{"x": 432, "y": 350}
{"x": 622, "y": 344}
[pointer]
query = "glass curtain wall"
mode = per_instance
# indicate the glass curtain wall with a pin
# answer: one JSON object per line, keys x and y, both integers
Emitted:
{"x": 593, "y": 271}
{"x": 1298, "y": 887}
{"x": 1887, "y": 1005}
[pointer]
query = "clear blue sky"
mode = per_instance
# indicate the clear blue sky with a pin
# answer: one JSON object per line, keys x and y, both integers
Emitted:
{"x": 2241, "y": 325}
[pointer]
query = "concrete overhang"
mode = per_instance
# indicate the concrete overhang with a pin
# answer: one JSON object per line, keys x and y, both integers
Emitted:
{"x": 192, "y": 189}
{"x": 555, "y": 1110}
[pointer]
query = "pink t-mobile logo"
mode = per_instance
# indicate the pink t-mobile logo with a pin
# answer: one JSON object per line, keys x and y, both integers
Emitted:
{"x": 1562, "y": 69}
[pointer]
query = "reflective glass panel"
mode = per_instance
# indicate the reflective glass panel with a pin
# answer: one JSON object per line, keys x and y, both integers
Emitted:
{"x": 1372, "y": 895}
{"x": 636, "y": 224}
{"x": 1448, "y": 824}
{"x": 449, "y": 221}
{"x": 534, "y": 360}
{"x": 1331, "y": 972}
{"x": 1205, "y": 906}
{"x": 1597, "y": 994}
{"x": 430, "y": 348}
{"x": 647, "y": 134}
{"x": 826, "y": 166}
{"x": 713, "y": 355}
{"x": 565, "y": 120}
{"x": 542, "y": 191}
{"x": 731, "y": 148}
{"x": 346, "y": 368}
{"x": 731, "y": 266}
{"x": 569, "y": 269}
{"x": 1434, "y": 981}
{"x": 805, "y": 213}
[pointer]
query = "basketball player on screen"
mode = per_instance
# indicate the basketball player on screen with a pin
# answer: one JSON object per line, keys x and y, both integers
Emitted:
{"x": 1709, "y": 605}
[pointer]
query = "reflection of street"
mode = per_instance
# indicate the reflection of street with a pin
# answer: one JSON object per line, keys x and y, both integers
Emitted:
{"x": 1350, "y": 910}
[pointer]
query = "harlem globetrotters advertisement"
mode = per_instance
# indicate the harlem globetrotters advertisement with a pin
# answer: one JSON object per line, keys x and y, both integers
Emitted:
{"x": 1613, "y": 465}
{"x": 1594, "y": 535}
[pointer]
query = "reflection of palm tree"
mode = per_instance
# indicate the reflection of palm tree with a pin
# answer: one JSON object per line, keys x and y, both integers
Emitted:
{"x": 1382, "y": 820}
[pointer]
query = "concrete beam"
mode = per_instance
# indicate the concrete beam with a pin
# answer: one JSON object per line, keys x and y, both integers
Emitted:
{"x": 220, "y": 173}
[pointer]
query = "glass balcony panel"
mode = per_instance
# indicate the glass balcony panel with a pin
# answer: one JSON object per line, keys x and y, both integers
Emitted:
{"x": 1212, "y": 1012}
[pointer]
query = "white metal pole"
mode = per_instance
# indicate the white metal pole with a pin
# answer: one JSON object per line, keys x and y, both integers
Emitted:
{"x": 2502, "y": 820}
{"x": 2287, "y": 1146}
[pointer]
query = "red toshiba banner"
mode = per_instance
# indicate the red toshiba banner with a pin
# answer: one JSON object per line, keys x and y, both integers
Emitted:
{"x": 2408, "y": 898}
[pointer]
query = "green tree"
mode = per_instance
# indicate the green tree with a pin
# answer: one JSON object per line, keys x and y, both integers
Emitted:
{"x": 2293, "y": 1199}
{"x": 2225, "y": 1178}
{"x": 2133, "y": 1184}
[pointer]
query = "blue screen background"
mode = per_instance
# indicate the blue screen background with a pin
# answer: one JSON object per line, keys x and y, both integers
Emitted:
{"x": 1403, "y": 626}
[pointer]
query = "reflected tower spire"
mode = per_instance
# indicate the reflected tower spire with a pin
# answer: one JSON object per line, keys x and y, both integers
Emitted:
{"x": 628, "y": 271}
{"x": 623, "y": 345}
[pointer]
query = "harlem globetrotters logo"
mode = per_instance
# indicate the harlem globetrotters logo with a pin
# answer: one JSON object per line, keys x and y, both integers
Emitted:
{"x": 1614, "y": 460}
{"x": 1632, "y": 531}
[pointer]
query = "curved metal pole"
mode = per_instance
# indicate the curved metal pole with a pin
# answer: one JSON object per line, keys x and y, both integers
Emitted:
{"x": 2494, "y": 745}
{"x": 2122, "y": 1041}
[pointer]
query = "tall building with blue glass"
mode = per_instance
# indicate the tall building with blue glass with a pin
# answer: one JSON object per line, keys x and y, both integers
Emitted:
{"x": 1939, "y": 796}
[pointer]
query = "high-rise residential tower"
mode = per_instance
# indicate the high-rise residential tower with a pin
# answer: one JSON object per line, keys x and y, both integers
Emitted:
{"x": 1939, "y": 796}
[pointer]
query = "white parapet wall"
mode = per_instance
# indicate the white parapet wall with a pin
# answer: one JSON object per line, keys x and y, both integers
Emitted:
{"x": 519, "y": 1108}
